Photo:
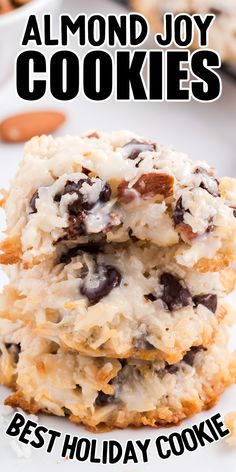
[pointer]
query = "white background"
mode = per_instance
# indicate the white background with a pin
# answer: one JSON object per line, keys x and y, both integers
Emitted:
{"x": 205, "y": 131}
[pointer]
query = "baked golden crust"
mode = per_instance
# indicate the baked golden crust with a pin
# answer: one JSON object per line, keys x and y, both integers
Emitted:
{"x": 103, "y": 393}
{"x": 162, "y": 416}
{"x": 221, "y": 261}
{"x": 17, "y": 400}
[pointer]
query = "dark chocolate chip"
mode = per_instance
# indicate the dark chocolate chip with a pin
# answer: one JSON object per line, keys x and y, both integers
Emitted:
{"x": 57, "y": 197}
{"x": 209, "y": 182}
{"x": 14, "y": 350}
{"x": 85, "y": 171}
{"x": 76, "y": 226}
{"x": 175, "y": 295}
{"x": 190, "y": 355}
{"x": 209, "y": 300}
{"x": 215, "y": 11}
{"x": 105, "y": 194}
{"x": 33, "y": 202}
{"x": 211, "y": 226}
{"x": 143, "y": 344}
{"x": 101, "y": 283}
{"x": 135, "y": 147}
{"x": 132, "y": 237}
{"x": 79, "y": 204}
{"x": 148, "y": 346}
{"x": 89, "y": 248}
{"x": 79, "y": 208}
{"x": 104, "y": 399}
{"x": 178, "y": 214}
{"x": 150, "y": 297}
{"x": 168, "y": 369}
{"x": 172, "y": 368}
{"x": 234, "y": 211}
{"x": 74, "y": 187}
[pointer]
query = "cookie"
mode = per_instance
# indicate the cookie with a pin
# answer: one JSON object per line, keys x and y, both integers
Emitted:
{"x": 113, "y": 188}
{"x": 119, "y": 301}
{"x": 104, "y": 393}
{"x": 222, "y": 33}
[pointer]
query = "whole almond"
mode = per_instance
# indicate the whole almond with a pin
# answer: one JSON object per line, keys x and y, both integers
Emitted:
{"x": 22, "y": 127}
{"x": 5, "y": 6}
{"x": 147, "y": 186}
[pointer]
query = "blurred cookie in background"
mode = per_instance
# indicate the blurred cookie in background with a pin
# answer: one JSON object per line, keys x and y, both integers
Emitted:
{"x": 222, "y": 36}
{"x": 9, "y": 5}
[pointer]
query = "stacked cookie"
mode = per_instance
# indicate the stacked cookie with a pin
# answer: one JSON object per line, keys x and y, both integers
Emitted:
{"x": 118, "y": 252}
{"x": 222, "y": 34}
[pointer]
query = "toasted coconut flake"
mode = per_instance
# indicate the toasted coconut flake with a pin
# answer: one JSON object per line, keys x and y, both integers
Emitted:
{"x": 4, "y": 196}
{"x": 220, "y": 262}
{"x": 12, "y": 251}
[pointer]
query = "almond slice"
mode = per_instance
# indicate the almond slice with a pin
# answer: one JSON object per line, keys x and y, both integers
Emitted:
{"x": 22, "y": 127}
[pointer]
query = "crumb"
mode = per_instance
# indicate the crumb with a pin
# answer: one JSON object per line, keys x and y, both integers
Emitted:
{"x": 230, "y": 422}
{"x": 21, "y": 450}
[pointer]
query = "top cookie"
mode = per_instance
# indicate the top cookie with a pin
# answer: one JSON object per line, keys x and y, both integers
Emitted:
{"x": 114, "y": 188}
{"x": 222, "y": 34}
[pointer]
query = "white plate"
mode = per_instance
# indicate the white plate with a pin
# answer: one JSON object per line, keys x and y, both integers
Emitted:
{"x": 205, "y": 132}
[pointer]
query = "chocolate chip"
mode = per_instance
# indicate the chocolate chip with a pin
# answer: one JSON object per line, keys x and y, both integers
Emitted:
{"x": 211, "y": 226}
{"x": 104, "y": 399}
{"x": 148, "y": 346}
{"x": 190, "y": 355}
{"x": 215, "y": 11}
{"x": 175, "y": 295}
{"x": 80, "y": 204}
{"x": 14, "y": 350}
{"x": 178, "y": 215}
{"x": 172, "y": 368}
{"x": 85, "y": 171}
{"x": 105, "y": 194}
{"x": 66, "y": 411}
{"x": 57, "y": 198}
{"x": 132, "y": 237}
{"x": 90, "y": 248}
{"x": 80, "y": 207}
{"x": 33, "y": 202}
{"x": 209, "y": 300}
{"x": 168, "y": 369}
{"x": 234, "y": 211}
{"x": 134, "y": 148}
{"x": 209, "y": 182}
{"x": 101, "y": 282}
{"x": 75, "y": 187}
{"x": 143, "y": 344}
{"x": 150, "y": 297}
{"x": 76, "y": 225}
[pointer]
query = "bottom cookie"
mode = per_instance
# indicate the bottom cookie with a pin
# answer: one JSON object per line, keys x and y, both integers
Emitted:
{"x": 103, "y": 393}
